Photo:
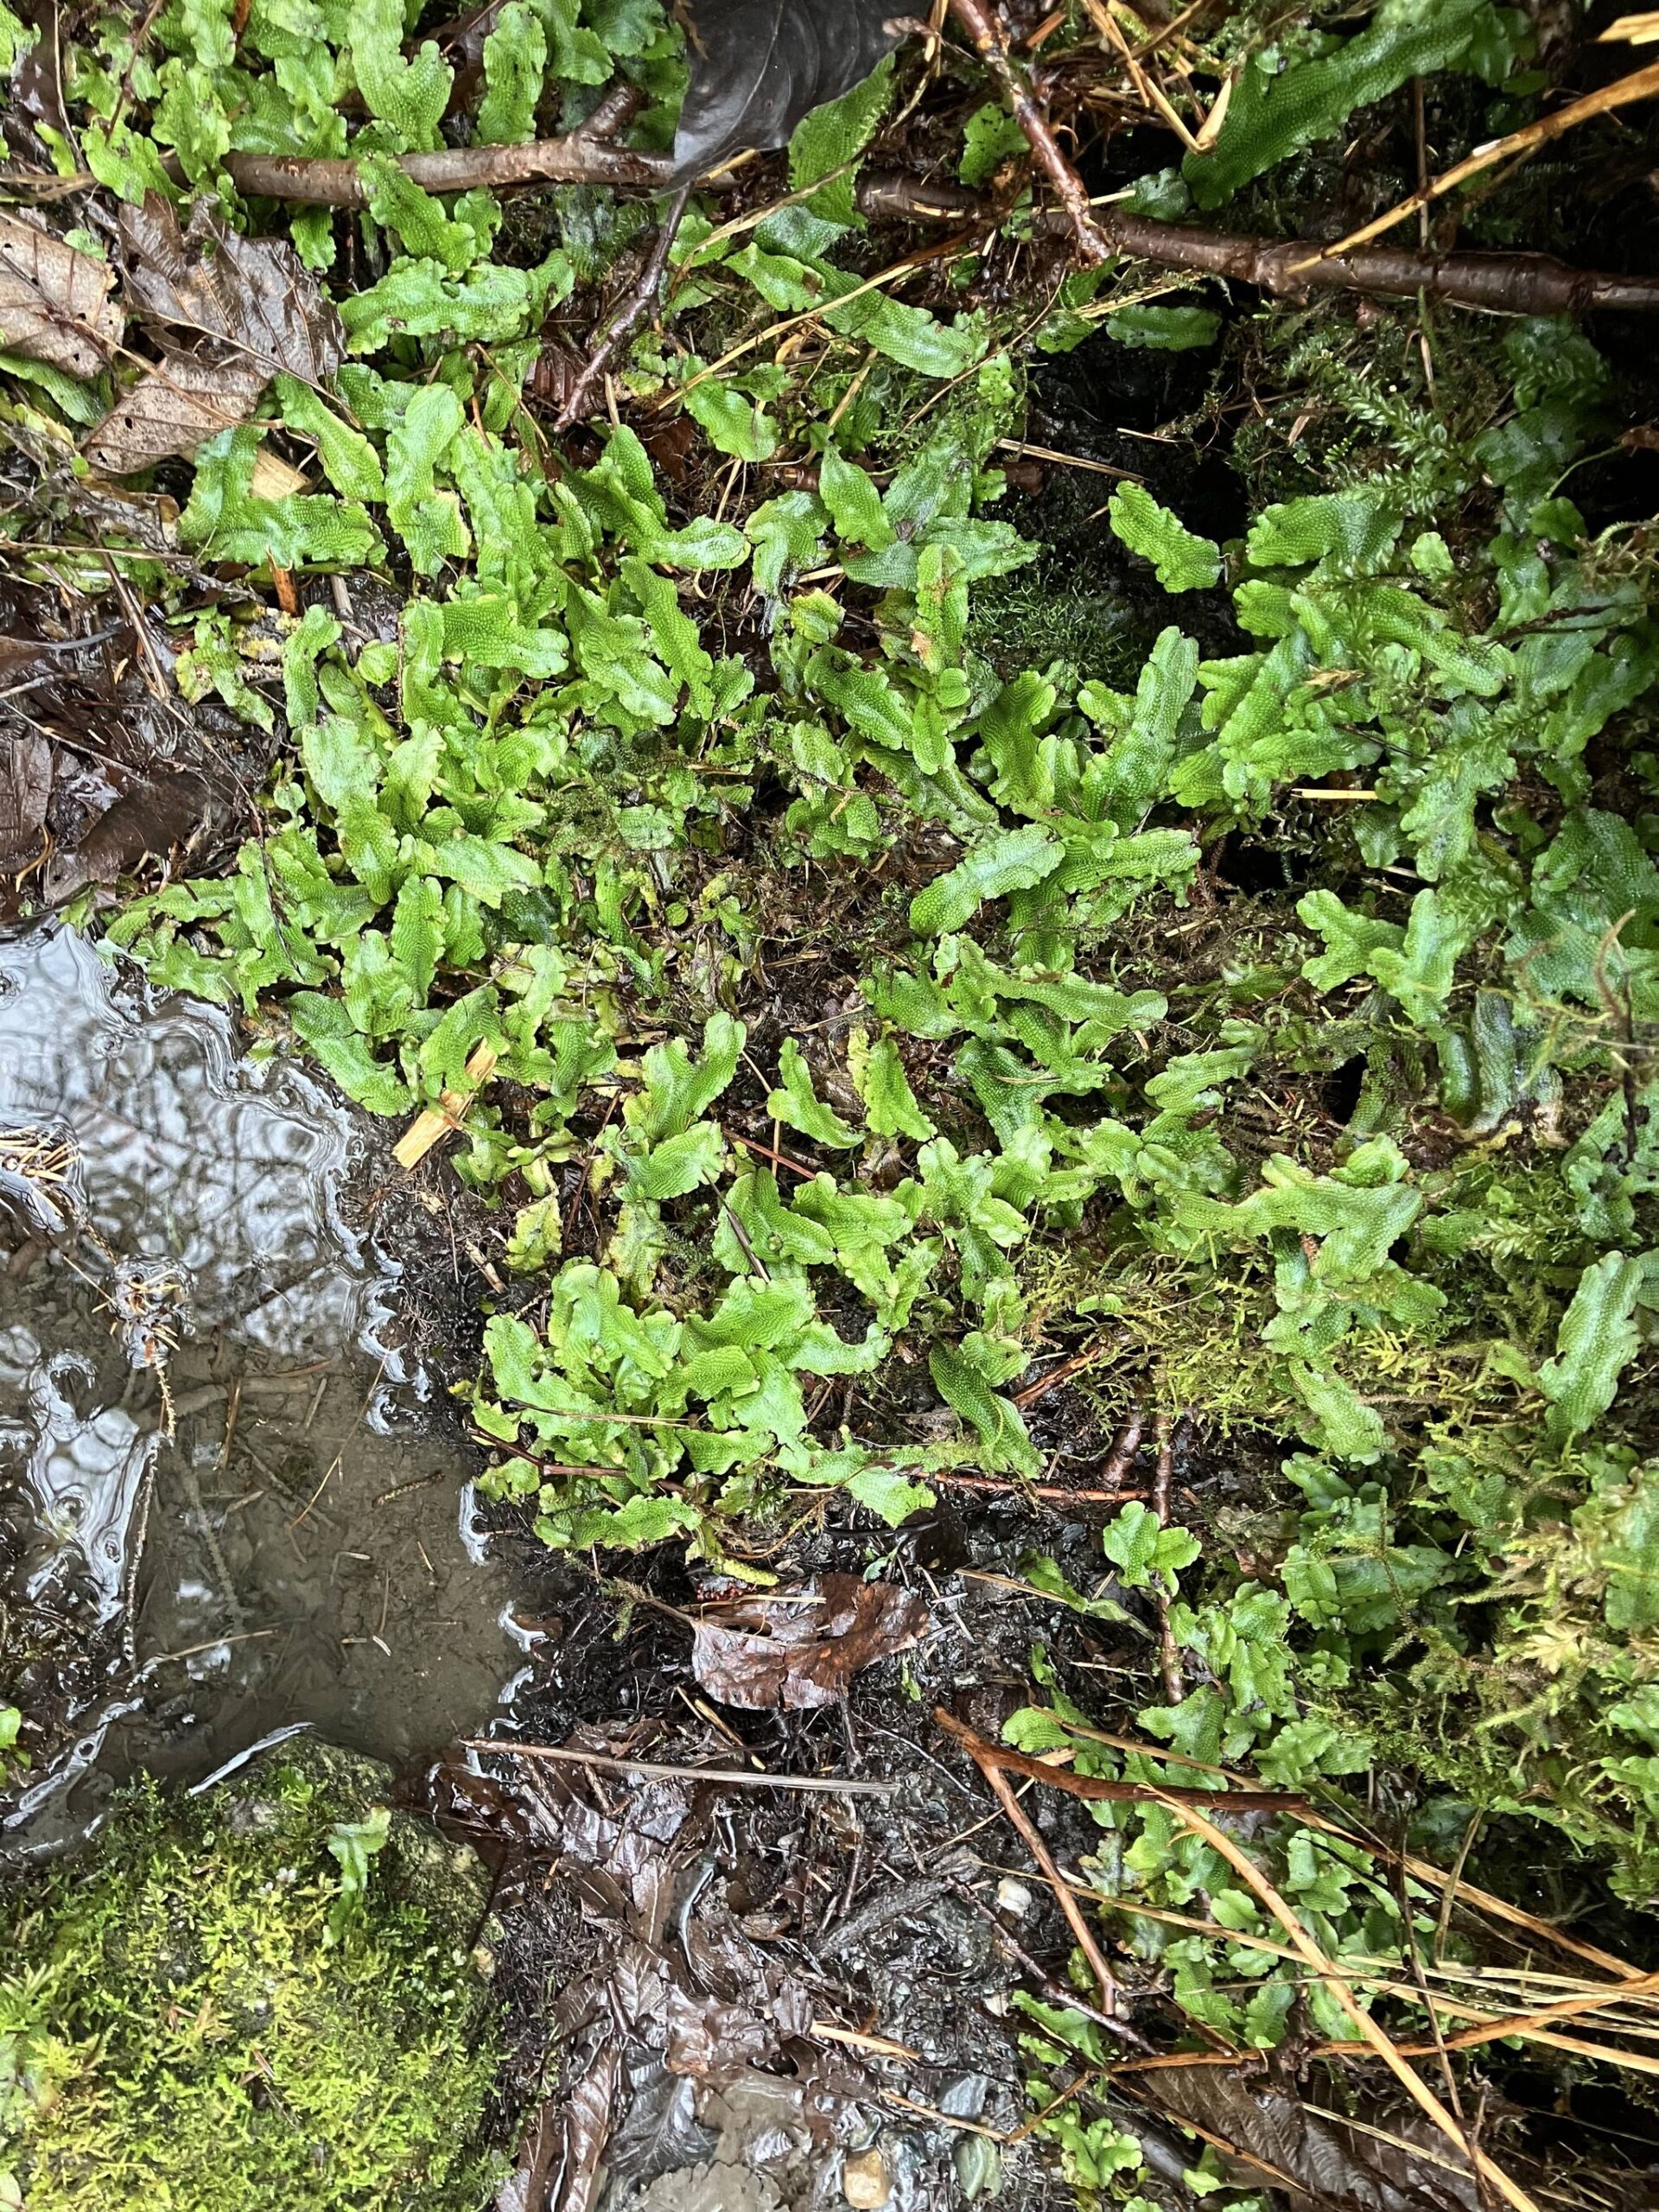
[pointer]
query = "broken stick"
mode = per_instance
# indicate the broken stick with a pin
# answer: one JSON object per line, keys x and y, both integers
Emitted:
{"x": 441, "y": 1121}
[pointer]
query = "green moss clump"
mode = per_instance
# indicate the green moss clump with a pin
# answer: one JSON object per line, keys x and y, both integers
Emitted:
{"x": 209, "y": 2011}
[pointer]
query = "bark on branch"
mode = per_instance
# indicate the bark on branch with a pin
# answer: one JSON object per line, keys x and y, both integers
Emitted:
{"x": 584, "y": 156}
{"x": 1511, "y": 283}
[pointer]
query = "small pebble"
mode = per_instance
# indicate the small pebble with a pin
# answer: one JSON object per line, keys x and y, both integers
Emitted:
{"x": 864, "y": 2181}
{"x": 1013, "y": 1896}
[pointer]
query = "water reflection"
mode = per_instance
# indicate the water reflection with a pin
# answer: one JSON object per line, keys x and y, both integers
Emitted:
{"x": 190, "y": 1152}
{"x": 298, "y": 1549}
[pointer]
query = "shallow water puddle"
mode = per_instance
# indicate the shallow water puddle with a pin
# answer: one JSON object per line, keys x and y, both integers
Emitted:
{"x": 302, "y": 1548}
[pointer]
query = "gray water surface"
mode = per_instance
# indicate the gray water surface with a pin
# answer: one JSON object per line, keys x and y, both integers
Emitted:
{"x": 303, "y": 1547}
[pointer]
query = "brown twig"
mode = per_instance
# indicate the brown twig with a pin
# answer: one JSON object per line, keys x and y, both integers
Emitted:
{"x": 1098, "y": 1789}
{"x": 637, "y": 304}
{"x": 1055, "y": 1992}
{"x": 1169, "y": 1657}
{"x": 984, "y": 1758}
{"x": 981, "y": 25}
{"x": 582, "y": 156}
{"x": 736, "y": 1777}
{"x": 1055, "y": 1491}
{"x": 767, "y": 1152}
{"x": 1121, "y": 1456}
{"x": 1508, "y": 283}
{"x": 1078, "y": 1364}
{"x": 1511, "y": 283}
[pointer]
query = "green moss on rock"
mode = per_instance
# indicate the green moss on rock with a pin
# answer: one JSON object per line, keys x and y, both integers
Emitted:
{"x": 207, "y": 2013}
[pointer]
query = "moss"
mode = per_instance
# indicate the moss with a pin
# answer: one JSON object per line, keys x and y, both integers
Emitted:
{"x": 182, "y": 2030}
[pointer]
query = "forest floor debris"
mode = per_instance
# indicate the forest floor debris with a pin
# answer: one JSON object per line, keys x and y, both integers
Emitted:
{"x": 976, "y": 769}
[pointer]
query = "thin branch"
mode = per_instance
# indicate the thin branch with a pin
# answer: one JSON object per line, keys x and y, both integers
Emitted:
{"x": 735, "y": 1777}
{"x": 1128, "y": 1443}
{"x": 1055, "y": 1492}
{"x": 585, "y": 156}
{"x": 1080, "y": 1361}
{"x": 638, "y": 303}
{"x": 1507, "y": 283}
{"x": 983, "y": 1756}
{"x": 1097, "y": 1790}
{"x": 981, "y": 25}
{"x": 1169, "y": 1656}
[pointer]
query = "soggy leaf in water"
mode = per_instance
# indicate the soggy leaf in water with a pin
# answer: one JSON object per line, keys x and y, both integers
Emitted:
{"x": 758, "y": 67}
{"x": 55, "y": 301}
{"x": 799, "y": 1649}
{"x": 255, "y": 311}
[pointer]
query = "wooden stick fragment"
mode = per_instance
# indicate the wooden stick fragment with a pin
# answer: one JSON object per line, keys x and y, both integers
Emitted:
{"x": 1127, "y": 1445}
{"x": 641, "y": 298}
{"x": 982, "y": 27}
{"x": 1169, "y": 1656}
{"x": 733, "y": 1777}
{"x": 1051, "y": 1493}
{"x": 1098, "y": 1789}
{"x": 1080, "y": 1361}
{"x": 584, "y": 155}
{"x": 439, "y": 1121}
{"x": 1506, "y": 283}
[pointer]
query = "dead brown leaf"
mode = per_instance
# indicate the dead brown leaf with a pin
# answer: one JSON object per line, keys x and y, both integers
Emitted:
{"x": 1390, "y": 2161}
{"x": 155, "y": 815}
{"x": 25, "y": 788}
{"x": 800, "y": 1648}
{"x": 254, "y": 311}
{"x": 55, "y": 300}
{"x": 586, "y": 2130}
{"x": 253, "y": 294}
{"x": 174, "y": 407}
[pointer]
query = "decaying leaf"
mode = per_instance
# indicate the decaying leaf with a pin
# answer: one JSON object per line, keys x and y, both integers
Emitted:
{"x": 1394, "y": 2162}
{"x": 252, "y": 292}
{"x": 25, "y": 788}
{"x": 759, "y": 65}
{"x": 55, "y": 300}
{"x": 253, "y": 310}
{"x": 172, "y": 409}
{"x": 586, "y": 2130}
{"x": 803, "y": 1649}
{"x": 152, "y": 817}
